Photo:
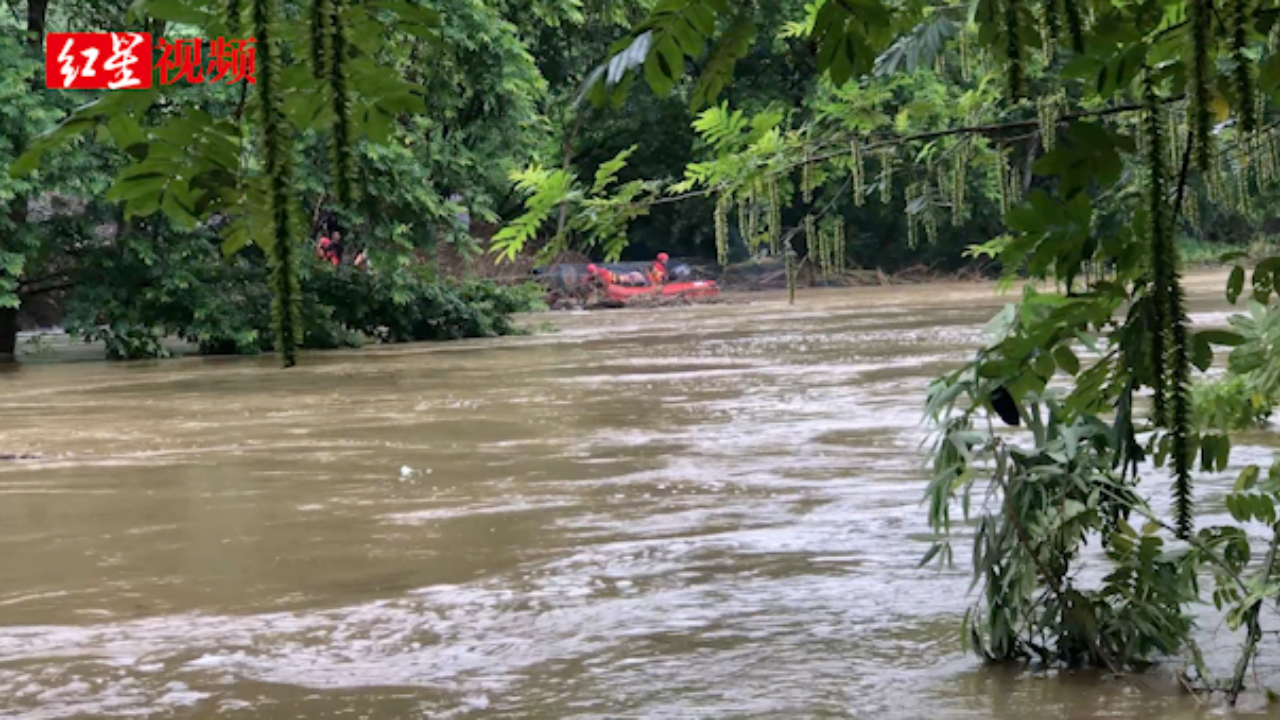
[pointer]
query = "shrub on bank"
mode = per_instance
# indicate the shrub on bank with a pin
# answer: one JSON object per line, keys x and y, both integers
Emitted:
{"x": 224, "y": 306}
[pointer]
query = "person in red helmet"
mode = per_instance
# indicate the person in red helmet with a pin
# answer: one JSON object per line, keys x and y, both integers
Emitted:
{"x": 330, "y": 250}
{"x": 658, "y": 273}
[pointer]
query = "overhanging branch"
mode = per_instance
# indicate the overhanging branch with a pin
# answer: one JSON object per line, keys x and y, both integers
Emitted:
{"x": 986, "y": 129}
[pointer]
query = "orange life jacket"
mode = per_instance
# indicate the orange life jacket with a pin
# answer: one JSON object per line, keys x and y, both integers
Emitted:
{"x": 657, "y": 273}
{"x": 326, "y": 251}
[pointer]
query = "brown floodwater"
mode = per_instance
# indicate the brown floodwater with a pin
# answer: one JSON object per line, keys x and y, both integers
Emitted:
{"x": 684, "y": 513}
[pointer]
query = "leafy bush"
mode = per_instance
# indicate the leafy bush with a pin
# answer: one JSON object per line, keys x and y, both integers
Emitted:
{"x": 409, "y": 304}
{"x": 138, "y": 295}
{"x": 126, "y": 341}
{"x": 1229, "y": 403}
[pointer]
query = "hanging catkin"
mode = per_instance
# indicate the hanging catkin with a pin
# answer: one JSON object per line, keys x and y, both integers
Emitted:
{"x": 912, "y": 237}
{"x": 1214, "y": 181}
{"x": 1191, "y": 209}
{"x": 811, "y": 236}
{"x": 722, "y": 229}
{"x": 930, "y": 217}
{"x": 886, "y": 174}
{"x": 806, "y": 178}
{"x": 839, "y": 245}
{"x": 775, "y": 217}
{"x": 958, "y": 171}
{"x": 790, "y": 254}
{"x": 1002, "y": 172}
{"x": 1173, "y": 132}
{"x": 856, "y": 168}
{"x": 1047, "y": 117}
{"x": 1014, "y": 190}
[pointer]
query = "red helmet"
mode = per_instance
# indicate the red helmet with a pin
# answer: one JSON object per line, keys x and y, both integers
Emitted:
{"x": 591, "y": 269}
{"x": 662, "y": 257}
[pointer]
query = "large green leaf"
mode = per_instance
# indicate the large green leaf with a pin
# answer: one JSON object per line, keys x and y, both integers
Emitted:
{"x": 918, "y": 48}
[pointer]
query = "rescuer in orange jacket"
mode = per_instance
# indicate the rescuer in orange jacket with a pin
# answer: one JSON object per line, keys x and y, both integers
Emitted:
{"x": 658, "y": 273}
{"x": 330, "y": 250}
{"x": 613, "y": 278}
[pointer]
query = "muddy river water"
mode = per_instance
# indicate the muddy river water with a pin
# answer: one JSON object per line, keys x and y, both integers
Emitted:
{"x": 686, "y": 513}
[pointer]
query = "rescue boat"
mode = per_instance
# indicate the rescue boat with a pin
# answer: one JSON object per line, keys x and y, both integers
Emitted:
{"x": 688, "y": 289}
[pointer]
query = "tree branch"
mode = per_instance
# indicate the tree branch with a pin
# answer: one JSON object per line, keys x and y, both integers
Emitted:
{"x": 987, "y": 129}
{"x": 30, "y": 293}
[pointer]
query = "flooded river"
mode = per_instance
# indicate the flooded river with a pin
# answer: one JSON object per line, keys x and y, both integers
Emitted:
{"x": 689, "y": 513}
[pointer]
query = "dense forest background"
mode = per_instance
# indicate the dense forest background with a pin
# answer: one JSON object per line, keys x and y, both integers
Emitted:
{"x": 504, "y": 86}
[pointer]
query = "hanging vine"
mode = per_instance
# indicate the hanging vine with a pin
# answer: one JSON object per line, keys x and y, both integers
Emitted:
{"x": 286, "y": 304}
{"x": 1238, "y": 14}
{"x": 1169, "y": 356}
{"x": 321, "y": 14}
{"x": 343, "y": 160}
{"x": 1200, "y": 15}
{"x": 1012, "y": 29}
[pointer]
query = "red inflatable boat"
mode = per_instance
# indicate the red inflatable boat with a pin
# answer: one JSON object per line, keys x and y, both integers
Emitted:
{"x": 691, "y": 289}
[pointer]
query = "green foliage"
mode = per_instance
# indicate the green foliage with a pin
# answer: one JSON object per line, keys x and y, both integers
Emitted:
{"x": 1039, "y": 508}
{"x": 1229, "y": 403}
{"x": 184, "y": 288}
{"x": 602, "y": 218}
{"x": 192, "y": 166}
{"x": 417, "y": 307}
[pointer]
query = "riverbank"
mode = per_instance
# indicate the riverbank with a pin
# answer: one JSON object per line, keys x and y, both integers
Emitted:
{"x": 54, "y": 345}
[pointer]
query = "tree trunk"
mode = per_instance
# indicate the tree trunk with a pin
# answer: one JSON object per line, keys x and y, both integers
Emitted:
{"x": 37, "y": 11}
{"x": 8, "y": 333}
